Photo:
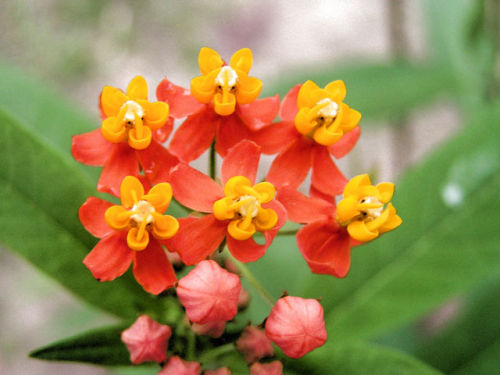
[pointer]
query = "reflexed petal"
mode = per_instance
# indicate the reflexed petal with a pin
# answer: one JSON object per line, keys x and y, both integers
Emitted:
{"x": 195, "y": 135}
{"x": 197, "y": 239}
{"x": 326, "y": 177}
{"x": 121, "y": 163}
{"x": 230, "y": 131}
{"x": 241, "y": 160}
{"x": 112, "y": 100}
{"x": 303, "y": 209}
{"x": 91, "y": 214}
{"x": 345, "y": 144}
{"x": 208, "y": 60}
{"x": 152, "y": 269}
{"x": 179, "y": 99}
{"x": 315, "y": 193}
{"x": 291, "y": 166}
{"x": 289, "y": 109}
{"x": 194, "y": 189}
{"x": 275, "y": 137}
{"x": 242, "y": 60}
{"x": 260, "y": 113}
{"x": 137, "y": 88}
{"x": 162, "y": 134}
{"x": 110, "y": 258}
{"x": 91, "y": 148}
{"x": 131, "y": 191}
{"x": 337, "y": 90}
{"x": 156, "y": 162}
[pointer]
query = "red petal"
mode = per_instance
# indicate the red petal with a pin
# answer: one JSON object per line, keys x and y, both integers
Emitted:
{"x": 230, "y": 131}
{"x": 91, "y": 215}
{"x": 303, "y": 209}
{"x": 179, "y": 99}
{"x": 157, "y": 162}
{"x": 289, "y": 109}
{"x": 325, "y": 247}
{"x": 197, "y": 239}
{"x": 195, "y": 135}
{"x": 249, "y": 250}
{"x": 162, "y": 134}
{"x": 121, "y": 163}
{"x": 315, "y": 193}
{"x": 110, "y": 258}
{"x": 292, "y": 165}
{"x": 194, "y": 189}
{"x": 259, "y": 113}
{"x": 346, "y": 143}
{"x": 152, "y": 269}
{"x": 326, "y": 177}
{"x": 91, "y": 148}
{"x": 276, "y": 137}
{"x": 241, "y": 160}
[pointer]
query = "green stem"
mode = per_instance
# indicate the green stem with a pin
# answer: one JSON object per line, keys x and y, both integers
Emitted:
{"x": 291, "y": 232}
{"x": 247, "y": 274}
{"x": 191, "y": 345}
{"x": 217, "y": 352}
{"x": 212, "y": 161}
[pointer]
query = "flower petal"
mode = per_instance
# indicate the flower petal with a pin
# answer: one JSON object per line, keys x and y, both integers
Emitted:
{"x": 209, "y": 60}
{"x": 289, "y": 109}
{"x": 292, "y": 165}
{"x": 241, "y": 160}
{"x": 152, "y": 269}
{"x": 110, "y": 258}
{"x": 131, "y": 191}
{"x": 162, "y": 134}
{"x": 91, "y": 148}
{"x": 156, "y": 162}
{"x": 337, "y": 90}
{"x": 111, "y": 100}
{"x": 138, "y": 88}
{"x": 345, "y": 144}
{"x": 194, "y": 189}
{"x": 326, "y": 177}
{"x": 230, "y": 131}
{"x": 197, "y": 239}
{"x": 155, "y": 113}
{"x": 242, "y": 59}
{"x": 121, "y": 163}
{"x": 275, "y": 137}
{"x": 195, "y": 135}
{"x": 180, "y": 100}
{"x": 91, "y": 214}
{"x": 304, "y": 209}
{"x": 260, "y": 113}
{"x": 249, "y": 250}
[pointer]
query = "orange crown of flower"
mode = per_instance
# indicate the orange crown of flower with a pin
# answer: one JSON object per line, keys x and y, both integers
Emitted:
{"x": 130, "y": 117}
{"x": 225, "y": 85}
{"x": 322, "y": 114}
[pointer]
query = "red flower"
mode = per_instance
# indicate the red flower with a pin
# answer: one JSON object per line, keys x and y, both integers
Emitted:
{"x": 254, "y": 344}
{"x": 128, "y": 139}
{"x": 129, "y": 234}
{"x": 273, "y": 368}
{"x": 324, "y": 244}
{"x": 296, "y": 325}
{"x": 315, "y": 124}
{"x": 147, "y": 340}
{"x": 240, "y": 209}
{"x": 227, "y": 109}
{"x": 177, "y": 366}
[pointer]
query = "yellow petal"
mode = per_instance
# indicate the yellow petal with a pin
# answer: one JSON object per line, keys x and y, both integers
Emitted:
{"x": 112, "y": 100}
{"x": 242, "y": 60}
{"x": 117, "y": 217}
{"x": 159, "y": 196}
{"x": 222, "y": 209}
{"x": 347, "y": 209}
{"x": 113, "y": 130}
{"x": 351, "y": 118}
{"x": 239, "y": 233}
{"x": 303, "y": 123}
{"x": 209, "y": 60}
{"x": 140, "y": 142}
{"x": 224, "y": 105}
{"x": 354, "y": 184}
{"x": 234, "y": 187}
{"x": 131, "y": 191}
{"x": 135, "y": 243}
{"x": 337, "y": 90}
{"x": 266, "y": 190}
{"x": 266, "y": 219}
{"x": 386, "y": 190}
{"x": 358, "y": 230}
{"x": 165, "y": 226}
{"x": 155, "y": 114}
{"x": 203, "y": 87}
{"x": 375, "y": 224}
{"x": 138, "y": 89}
{"x": 249, "y": 89}
{"x": 325, "y": 137}
{"x": 304, "y": 95}
{"x": 392, "y": 222}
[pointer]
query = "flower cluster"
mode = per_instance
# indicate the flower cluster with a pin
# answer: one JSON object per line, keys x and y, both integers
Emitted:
{"x": 228, "y": 208}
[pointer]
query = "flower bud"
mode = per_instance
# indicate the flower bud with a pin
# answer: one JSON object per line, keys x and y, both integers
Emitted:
{"x": 177, "y": 366}
{"x": 213, "y": 329}
{"x": 147, "y": 340}
{"x": 296, "y": 325}
{"x": 219, "y": 371}
{"x": 209, "y": 293}
{"x": 273, "y": 368}
{"x": 254, "y": 344}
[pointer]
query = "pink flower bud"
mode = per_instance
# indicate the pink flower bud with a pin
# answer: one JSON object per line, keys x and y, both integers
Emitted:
{"x": 273, "y": 368}
{"x": 243, "y": 299}
{"x": 177, "y": 366}
{"x": 147, "y": 340}
{"x": 212, "y": 329}
{"x": 209, "y": 293}
{"x": 296, "y": 325}
{"x": 254, "y": 344}
{"x": 219, "y": 371}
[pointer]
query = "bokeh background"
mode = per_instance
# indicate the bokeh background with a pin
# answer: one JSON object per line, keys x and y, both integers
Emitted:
{"x": 415, "y": 69}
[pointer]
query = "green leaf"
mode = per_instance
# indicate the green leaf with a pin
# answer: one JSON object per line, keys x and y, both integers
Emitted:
{"x": 41, "y": 193}
{"x": 358, "y": 359}
{"x": 377, "y": 90}
{"x": 102, "y": 347}
{"x": 486, "y": 362}
{"x": 448, "y": 241}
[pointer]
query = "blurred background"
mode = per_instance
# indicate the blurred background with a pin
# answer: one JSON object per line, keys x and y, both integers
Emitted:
{"x": 415, "y": 69}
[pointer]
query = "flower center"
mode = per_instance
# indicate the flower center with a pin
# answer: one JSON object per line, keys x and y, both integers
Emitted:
{"x": 248, "y": 205}
{"x": 371, "y": 208}
{"x": 132, "y": 110}
{"x": 142, "y": 212}
{"x": 226, "y": 79}
{"x": 328, "y": 112}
